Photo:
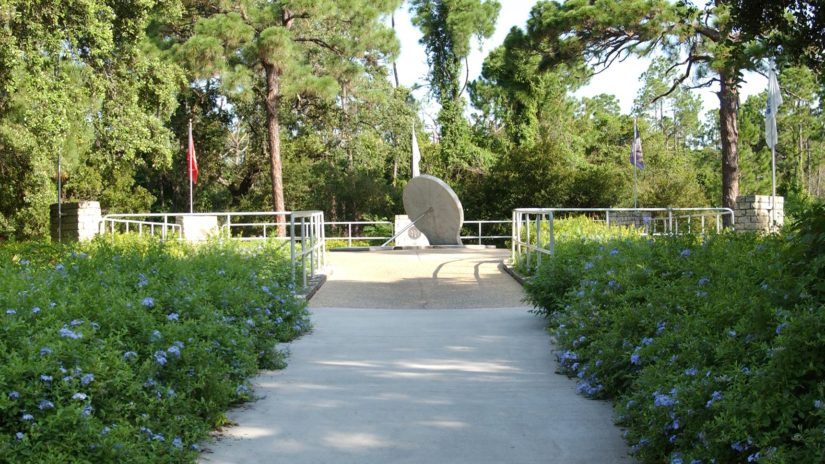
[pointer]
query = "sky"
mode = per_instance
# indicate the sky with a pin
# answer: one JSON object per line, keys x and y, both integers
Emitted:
{"x": 621, "y": 79}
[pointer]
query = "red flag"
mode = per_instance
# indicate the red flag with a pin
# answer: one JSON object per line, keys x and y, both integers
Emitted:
{"x": 190, "y": 157}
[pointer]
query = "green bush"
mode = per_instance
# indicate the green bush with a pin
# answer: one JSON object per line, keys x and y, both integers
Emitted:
{"x": 133, "y": 351}
{"x": 712, "y": 349}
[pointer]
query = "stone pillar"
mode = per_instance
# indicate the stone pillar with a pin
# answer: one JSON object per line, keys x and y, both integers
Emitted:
{"x": 197, "y": 228}
{"x": 753, "y": 213}
{"x": 80, "y": 221}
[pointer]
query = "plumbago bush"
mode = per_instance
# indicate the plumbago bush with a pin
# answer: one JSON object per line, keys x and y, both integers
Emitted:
{"x": 712, "y": 349}
{"x": 132, "y": 351}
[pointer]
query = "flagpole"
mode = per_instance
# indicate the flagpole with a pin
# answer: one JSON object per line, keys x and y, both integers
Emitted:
{"x": 773, "y": 187}
{"x": 189, "y": 168}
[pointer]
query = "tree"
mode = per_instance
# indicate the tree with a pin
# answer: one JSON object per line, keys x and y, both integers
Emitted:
{"x": 448, "y": 26}
{"x": 280, "y": 43}
{"x": 794, "y": 29}
{"x": 704, "y": 43}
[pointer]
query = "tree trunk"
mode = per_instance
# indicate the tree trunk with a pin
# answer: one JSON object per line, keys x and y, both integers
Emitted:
{"x": 273, "y": 126}
{"x": 728, "y": 106}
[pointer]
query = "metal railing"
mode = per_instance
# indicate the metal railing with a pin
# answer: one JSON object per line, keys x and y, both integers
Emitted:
{"x": 356, "y": 227}
{"x": 528, "y": 237}
{"x": 305, "y": 232}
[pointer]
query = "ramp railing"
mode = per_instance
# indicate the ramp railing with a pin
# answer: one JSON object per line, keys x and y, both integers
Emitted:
{"x": 303, "y": 231}
{"x": 533, "y": 229}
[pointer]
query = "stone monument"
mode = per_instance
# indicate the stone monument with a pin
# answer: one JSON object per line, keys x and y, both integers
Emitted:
{"x": 435, "y": 209}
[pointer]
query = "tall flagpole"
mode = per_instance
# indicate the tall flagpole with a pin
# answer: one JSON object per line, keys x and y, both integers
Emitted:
{"x": 635, "y": 167}
{"x": 189, "y": 166}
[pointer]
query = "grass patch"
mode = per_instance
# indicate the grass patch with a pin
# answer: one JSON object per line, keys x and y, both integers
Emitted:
{"x": 132, "y": 351}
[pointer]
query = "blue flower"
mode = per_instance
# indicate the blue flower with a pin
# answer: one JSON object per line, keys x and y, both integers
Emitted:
{"x": 87, "y": 411}
{"x": 20, "y": 435}
{"x": 79, "y": 396}
{"x": 250, "y": 323}
{"x": 780, "y": 327}
{"x": 105, "y": 430}
{"x": 27, "y": 418}
{"x": 177, "y": 442}
{"x": 685, "y": 253}
{"x": 732, "y": 333}
{"x": 691, "y": 371}
{"x": 158, "y": 437}
{"x": 45, "y": 378}
{"x": 149, "y": 302}
{"x": 588, "y": 265}
{"x": 76, "y": 322}
{"x": 172, "y": 316}
{"x": 614, "y": 252}
{"x": 14, "y": 394}
{"x": 129, "y": 355}
{"x": 35, "y": 310}
{"x": 265, "y": 289}
{"x": 660, "y": 327}
{"x": 662, "y": 400}
{"x": 635, "y": 358}
{"x": 746, "y": 370}
{"x": 160, "y": 357}
{"x": 156, "y": 335}
{"x": 675, "y": 459}
{"x": 11, "y": 312}
{"x": 87, "y": 379}
{"x": 818, "y": 404}
{"x": 59, "y": 267}
{"x": 174, "y": 350}
{"x": 45, "y": 351}
{"x": 647, "y": 341}
{"x": 739, "y": 446}
{"x": 714, "y": 397}
{"x": 142, "y": 281}
{"x": 69, "y": 333}
{"x": 44, "y": 404}
{"x": 754, "y": 457}
{"x": 703, "y": 281}
{"x": 701, "y": 294}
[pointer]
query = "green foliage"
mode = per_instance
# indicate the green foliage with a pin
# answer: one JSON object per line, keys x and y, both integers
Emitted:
{"x": 706, "y": 358}
{"x": 132, "y": 351}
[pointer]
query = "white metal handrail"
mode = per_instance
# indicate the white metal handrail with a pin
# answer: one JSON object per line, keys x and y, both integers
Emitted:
{"x": 478, "y": 225}
{"x": 527, "y": 236}
{"x": 306, "y": 232}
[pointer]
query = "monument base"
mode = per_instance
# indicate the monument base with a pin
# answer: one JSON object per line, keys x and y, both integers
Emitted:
{"x": 412, "y": 237}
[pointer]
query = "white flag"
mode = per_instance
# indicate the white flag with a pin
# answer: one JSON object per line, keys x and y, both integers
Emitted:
{"x": 416, "y": 155}
{"x": 774, "y": 100}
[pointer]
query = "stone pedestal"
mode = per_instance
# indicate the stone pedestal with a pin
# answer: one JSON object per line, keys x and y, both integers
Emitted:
{"x": 753, "y": 213}
{"x": 412, "y": 237}
{"x": 78, "y": 221}
{"x": 197, "y": 228}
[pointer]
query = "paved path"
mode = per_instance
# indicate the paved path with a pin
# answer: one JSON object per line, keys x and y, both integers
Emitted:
{"x": 420, "y": 357}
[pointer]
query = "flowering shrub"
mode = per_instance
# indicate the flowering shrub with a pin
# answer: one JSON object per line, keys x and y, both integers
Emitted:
{"x": 131, "y": 352}
{"x": 712, "y": 349}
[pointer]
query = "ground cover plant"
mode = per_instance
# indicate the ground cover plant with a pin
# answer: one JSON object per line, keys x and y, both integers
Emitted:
{"x": 132, "y": 351}
{"x": 712, "y": 349}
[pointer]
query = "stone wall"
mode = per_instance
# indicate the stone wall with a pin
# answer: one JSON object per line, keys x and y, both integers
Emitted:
{"x": 753, "y": 213}
{"x": 80, "y": 221}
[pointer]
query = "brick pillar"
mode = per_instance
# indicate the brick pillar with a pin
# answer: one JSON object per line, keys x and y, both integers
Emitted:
{"x": 80, "y": 221}
{"x": 753, "y": 213}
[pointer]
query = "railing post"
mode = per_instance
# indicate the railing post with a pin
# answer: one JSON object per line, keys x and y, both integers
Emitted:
{"x": 552, "y": 234}
{"x": 718, "y": 223}
{"x": 607, "y": 218}
{"x": 538, "y": 240}
{"x": 527, "y": 237}
{"x": 228, "y": 226}
{"x": 513, "y": 238}
{"x": 165, "y": 226}
{"x": 292, "y": 245}
{"x": 670, "y": 220}
{"x": 349, "y": 234}
{"x": 312, "y": 246}
{"x": 304, "y": 251}
{"x": 479, "y": 233}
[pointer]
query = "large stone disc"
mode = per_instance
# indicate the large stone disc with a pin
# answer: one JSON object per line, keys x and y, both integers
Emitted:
{"x": 441, "y": 209}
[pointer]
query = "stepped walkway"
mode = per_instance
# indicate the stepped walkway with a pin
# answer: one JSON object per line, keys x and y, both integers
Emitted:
{"x": 420, "y": 357}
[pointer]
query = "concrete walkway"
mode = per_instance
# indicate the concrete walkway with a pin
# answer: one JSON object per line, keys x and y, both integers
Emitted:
{"x": 420, "y": 357}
